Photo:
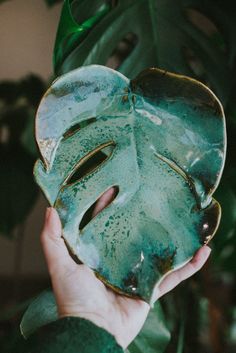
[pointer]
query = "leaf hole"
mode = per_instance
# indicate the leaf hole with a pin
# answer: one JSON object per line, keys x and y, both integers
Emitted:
{"x": 73, "y": 129}
{"x": 105, "y": 199}
{"x": 123, "y": 49}
{"x": 92, "y": 161}
{"x": 195, "y": 64}
{"x": 207, "y": 26}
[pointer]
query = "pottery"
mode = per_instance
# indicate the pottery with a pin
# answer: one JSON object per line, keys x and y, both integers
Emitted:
{"x": 160, "y": 140}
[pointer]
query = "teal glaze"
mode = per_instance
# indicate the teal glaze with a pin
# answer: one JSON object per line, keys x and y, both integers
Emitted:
{"x": 169, "y": 139}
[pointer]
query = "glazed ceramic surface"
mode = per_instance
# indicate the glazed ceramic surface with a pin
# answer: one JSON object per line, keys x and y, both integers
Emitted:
{"x": 163, "y": 138}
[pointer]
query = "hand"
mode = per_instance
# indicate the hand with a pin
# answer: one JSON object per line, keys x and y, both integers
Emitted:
{"x": 80, "y": 293}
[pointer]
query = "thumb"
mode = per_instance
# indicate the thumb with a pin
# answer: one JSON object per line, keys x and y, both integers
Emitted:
{"x": 188, "y": 270}
{"x": 56, "y": 254}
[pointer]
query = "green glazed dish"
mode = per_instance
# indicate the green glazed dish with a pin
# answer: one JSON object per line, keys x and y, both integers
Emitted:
{"x": 160, "y": 140}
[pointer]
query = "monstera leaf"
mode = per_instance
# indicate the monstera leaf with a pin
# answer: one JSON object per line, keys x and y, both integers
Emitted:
{"x": 177, "y": 36}
{"x": 163, "y": 138}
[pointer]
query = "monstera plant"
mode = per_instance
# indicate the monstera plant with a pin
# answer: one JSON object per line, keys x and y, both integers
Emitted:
{"x": 178, "y": 36}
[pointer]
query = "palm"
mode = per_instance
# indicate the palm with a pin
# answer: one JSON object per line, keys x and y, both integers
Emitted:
{"x": 80, "y": 293}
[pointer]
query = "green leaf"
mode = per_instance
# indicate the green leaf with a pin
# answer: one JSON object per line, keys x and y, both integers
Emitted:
{"x": 164, "y": 29}
{"x": 154, "y": 336}
{"x": 40, "y": 312}
{"x": 70, "y": 32}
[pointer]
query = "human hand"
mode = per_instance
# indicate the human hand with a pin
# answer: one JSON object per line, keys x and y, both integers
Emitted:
{"x": 80, "y": 293}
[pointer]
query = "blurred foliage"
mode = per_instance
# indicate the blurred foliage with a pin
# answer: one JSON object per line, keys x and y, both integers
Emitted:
{"x": 11, "y": 340}
{"x": 18, "y": 192}
{"x": 168, "y": 34}
{"x": 154, "y": 336}
{"x": 193, "y": 37}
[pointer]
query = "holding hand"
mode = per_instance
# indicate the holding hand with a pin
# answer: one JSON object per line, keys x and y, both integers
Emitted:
{"x": 80, "y": 293}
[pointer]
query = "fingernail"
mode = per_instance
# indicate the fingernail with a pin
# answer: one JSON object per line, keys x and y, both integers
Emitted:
{"x": 48, "y": 211}
{"x": 53, "y": 222}
{"x": 207, "y": 250}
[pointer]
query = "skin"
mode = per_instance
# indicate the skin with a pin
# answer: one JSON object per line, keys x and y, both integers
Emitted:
{"x": 80, "y": 293}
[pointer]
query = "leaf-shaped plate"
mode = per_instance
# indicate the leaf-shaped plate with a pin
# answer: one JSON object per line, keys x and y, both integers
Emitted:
{"x": 163, "y": 136}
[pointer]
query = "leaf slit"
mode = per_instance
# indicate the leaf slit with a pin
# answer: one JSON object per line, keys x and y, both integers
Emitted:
{"x": 73, "y": 129}
{"x": 90, "y": 214}
{"x": 90, "y": 162}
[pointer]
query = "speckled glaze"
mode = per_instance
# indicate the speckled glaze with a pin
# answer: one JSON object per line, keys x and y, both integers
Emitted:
{"x": 168, "y": 133}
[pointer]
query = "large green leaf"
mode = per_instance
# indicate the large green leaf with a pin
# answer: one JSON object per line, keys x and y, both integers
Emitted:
{"x": 89, "y": 33}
